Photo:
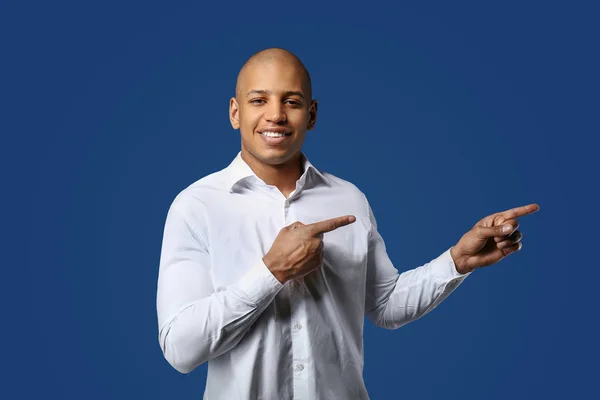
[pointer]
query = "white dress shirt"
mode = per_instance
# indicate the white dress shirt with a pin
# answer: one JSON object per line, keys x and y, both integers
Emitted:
{"x": 218, "y": 302}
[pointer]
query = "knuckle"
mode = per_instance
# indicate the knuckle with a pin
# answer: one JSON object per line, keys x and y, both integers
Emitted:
{"x": 304, "y": 249}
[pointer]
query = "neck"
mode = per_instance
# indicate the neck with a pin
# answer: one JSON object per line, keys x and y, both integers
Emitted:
{"x": 283, "y": 176}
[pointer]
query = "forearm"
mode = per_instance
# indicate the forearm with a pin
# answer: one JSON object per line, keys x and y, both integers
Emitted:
{"x": 213, "y": 325}
{"x": 417, "y": 292}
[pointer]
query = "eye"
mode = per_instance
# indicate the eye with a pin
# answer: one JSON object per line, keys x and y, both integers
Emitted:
{"x": 294, "y": 103}
{"x": 257, "y": 101}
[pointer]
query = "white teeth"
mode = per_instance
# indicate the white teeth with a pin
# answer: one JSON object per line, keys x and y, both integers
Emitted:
{"x": 273, "y": 134}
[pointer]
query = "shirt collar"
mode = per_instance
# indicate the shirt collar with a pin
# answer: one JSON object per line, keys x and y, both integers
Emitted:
{"x": 239, "y": 170}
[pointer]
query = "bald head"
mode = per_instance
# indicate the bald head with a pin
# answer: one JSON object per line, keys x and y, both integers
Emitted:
{"x": 273, "y": 94}
{"x": 269, "y": 58}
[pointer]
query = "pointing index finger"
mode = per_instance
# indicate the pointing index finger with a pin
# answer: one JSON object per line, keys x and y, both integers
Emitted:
{"x": 520, "y": 211}
{"x": 329, "y": 224}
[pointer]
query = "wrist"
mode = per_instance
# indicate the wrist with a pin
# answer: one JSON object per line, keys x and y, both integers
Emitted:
{"x": 275, "y": 269}
{"x": 459, "y": 262}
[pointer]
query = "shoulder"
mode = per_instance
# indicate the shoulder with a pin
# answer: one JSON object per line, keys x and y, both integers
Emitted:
{"x": 201, "y": 193}
{"x": 346, "y": 191}
{"x": 343, "y": 185}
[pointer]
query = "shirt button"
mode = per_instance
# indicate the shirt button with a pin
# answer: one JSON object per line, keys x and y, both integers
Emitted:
{"x": 298, "y": 326}
{"x": 299, "y": 367}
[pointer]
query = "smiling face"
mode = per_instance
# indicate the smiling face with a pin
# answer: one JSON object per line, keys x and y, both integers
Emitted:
{"x": 273, "y": 110}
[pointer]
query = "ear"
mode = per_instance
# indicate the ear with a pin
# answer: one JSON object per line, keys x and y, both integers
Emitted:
{"x": 312, "y": 114}
{"x": 234, "y": 113}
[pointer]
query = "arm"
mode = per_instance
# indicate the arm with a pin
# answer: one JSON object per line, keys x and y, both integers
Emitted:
{"x": 196, "y": 323}
{"x": 394, "y": 299}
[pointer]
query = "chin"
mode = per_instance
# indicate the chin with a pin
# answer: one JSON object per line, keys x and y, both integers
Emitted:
{"x": 274, "y": 156}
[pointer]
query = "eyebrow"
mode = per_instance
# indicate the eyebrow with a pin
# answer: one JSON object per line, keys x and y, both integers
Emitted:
{"x": 268, "y": 92}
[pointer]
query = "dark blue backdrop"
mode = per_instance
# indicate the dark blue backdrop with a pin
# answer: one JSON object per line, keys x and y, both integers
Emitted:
{"x": 441, "y": 113}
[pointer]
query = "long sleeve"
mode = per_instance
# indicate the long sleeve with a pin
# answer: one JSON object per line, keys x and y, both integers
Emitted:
{"x": 394, "y": 299}
{"x": 196, "y": 323}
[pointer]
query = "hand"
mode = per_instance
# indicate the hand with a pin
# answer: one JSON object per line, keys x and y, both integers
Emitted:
{"x": 487, "y": 242}
{"x": 298, "y": 248}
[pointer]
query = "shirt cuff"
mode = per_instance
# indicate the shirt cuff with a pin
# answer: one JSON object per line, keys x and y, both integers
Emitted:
{"x": 443, "y": 267}
{"x": 259, "y": 284}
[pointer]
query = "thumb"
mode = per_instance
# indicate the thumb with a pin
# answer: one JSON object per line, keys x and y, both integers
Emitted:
{"x": 484, "y": 232}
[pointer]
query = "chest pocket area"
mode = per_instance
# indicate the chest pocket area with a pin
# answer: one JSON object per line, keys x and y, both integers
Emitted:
{"x": 345, "y": 250}
{"x": 238, "y": 245}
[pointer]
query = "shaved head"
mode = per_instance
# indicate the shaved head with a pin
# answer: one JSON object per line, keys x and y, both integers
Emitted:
{"x": 271, "y": 57}
{"x": 273, "y": 108}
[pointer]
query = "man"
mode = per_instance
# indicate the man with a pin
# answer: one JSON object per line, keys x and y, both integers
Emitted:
{"x": 269, "y": 266}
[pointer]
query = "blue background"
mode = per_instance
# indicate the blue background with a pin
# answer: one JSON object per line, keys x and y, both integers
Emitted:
{"x": 442, "y": 113}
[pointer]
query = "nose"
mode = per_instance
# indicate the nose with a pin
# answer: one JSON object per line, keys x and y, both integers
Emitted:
{"x": 275, "y": 113}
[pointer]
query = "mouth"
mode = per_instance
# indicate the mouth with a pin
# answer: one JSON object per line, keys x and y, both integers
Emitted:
{"x": 275, "y": 136}
{"x": 278, "y": 132}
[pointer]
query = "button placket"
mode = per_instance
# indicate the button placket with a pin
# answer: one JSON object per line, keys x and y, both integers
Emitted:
{"x": 300, "y": 362}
